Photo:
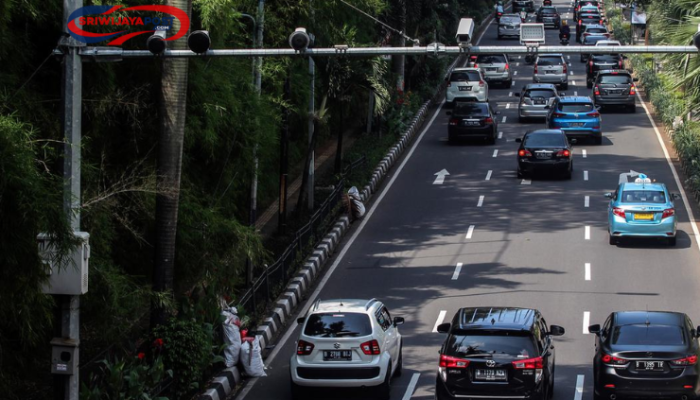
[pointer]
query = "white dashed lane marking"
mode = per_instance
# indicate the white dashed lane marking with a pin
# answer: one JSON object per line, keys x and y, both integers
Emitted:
{"x": 510, "y": 94}
{"x": 488, "y": 175}
{"x": 470, "y": 231}
{"x": 578, "y": 394}
{"x": 587, "y": 273}
{"x": 500, "y": 135}
{"x": 587, "y": 233}
{"x": 504, "y": 120}
{"x": 526, "y": 182}
{"x": 495, "y": 153}
{"x": 587, "y": 201}
{"x": 515, "y": 73}
{"x": 411, "y": 386}
{"x": 481, "y": 201}
{"x": 583, "y": 152}
{"x": 507, "y": 106}
{"x": 458, "y": 269}
{"x": 440, "y": 318}
{"x": 585, "y": 175}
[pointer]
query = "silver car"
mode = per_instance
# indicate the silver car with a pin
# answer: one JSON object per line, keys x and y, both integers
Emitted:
{"x": 509, "y": 26}
{"x": 495, "y": 68}
{"x": 536, "y": 99}
{"x": 551, "y": 68}
{"x": 466, "y": 84}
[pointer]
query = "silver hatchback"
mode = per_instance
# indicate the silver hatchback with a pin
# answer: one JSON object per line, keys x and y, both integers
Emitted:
{"x": 536, "y": 99}
{"x": 551, "y": 68}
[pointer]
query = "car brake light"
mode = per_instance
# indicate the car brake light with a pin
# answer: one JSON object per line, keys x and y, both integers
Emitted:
{"x": 607, "y": 35}
{"x": 620, "y": 213}
{"x": 476, "y": 65}
{"x": 690, "y": 360}
{"x": 524, "y": 153}
{"x": 488, "y": 120}
{"x": 499, "y": 14}
{"x": 566, "y": 69}
{"x": 482, "y": 83}
{"x": 633, "y": 90}
{"x": 304, "y": 348}
{"x": 558, "y": 115}
{"x": 610, "y": 360}
{"x": 452, "y": 362}
{"x": 535, "y": 68}
{"x": 564, "y": 153}
{"x": 530, "y": 363}
{"x": 579, "y": 22}
{"x": 594, "y": 114}
{"x": 596, "y": 91}
{"x": 370, "y": 348}
{"x": 454, "y": 121}
{"x": 619, "y": 63}
{"x": 587, "y": 34}
{"x": 507, "y": 67}
{"x": 615, "y": 72}
{"x": 669, "y": 212}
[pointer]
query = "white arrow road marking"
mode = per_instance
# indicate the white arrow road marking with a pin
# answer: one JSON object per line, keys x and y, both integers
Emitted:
{"x": 495, "y": 153}
{"x": 578, "y": 394}
{"x": 488, "y": 175}
{"x": 481, "y": 201}
{"x": 587, "y": 201}
{"x": 470, "y": 231}
{"x": 500, "y": 135}
{"x": 440, "y": 177}
{"x": 458, "y": 269}
{"x": 625, "y": 175}
{"x": 585, "y": 154}
{"x": 526, "y": 182}
{"x": 588, "y": 232}
{"x": 441, "y": 317}
{"x": 507, "y": 106}
{"x": 411, "y": 386}
{"x": 585, "y": 175}
{"x": 504, "y": 119}
{"x": 586, "y": 322}
{"x": 587, "y": 273}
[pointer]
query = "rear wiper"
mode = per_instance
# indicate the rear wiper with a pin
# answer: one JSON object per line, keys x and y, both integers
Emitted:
{"x": 479, "y": 355}
{"x": 348, "y": 333}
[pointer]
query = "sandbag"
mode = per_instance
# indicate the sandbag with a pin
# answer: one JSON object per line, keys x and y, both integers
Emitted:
{"x": 232, "y": 337}
{"x": 356, "y": 205}
{"x": 251, "y": 358}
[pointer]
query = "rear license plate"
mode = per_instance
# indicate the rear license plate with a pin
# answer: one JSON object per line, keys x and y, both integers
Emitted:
{"x": 615, "y": 91}
{"x": 644, "y": 217}
{"x": 549, "y": 72}
{"x": 491, "y": 375}
{"x": 491, "y": 69}
{"x": 543, "y": 155}
{"x": 538, "y": 102}
{"x": 471, "y": 123}
{"x": 337, "y": 355}
{"x": 576, "y": 124}
{"x": 650, "y": 365}
{"x": 465, "y": 88}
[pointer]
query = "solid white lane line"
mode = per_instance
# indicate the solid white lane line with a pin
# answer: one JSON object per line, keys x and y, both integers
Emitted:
{"x": 481, "y": 201}
{"x": 526, "y": 182}
{"x": 696, "y": 233}
{"x": 578, "y": 394}
{"x": 500, "y": 135}
{"x": 507, "y": 106}
{"x": 488, "y": 175}
{"x": 411, "y": 386}
{"x": 587, "y": 274}
{"x": 585, "y": 175}
{"x": 586, "y": 322}
{"x": 441, "y": 317}
{"x": 495, "y": 153}
{"x": 588, "y": 232}
{"x": 470, "y": 231}
{"x": 587, "y": 201}
{"x": 515, "y": 73}
{"x": 504, "y": 120}
{"x": 585, "y": 154}
{"x": 458, "y": 269}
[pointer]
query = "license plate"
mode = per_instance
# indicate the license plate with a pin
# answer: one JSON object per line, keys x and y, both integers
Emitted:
{"x": 576, "y": 124}
{"x": 491, "y": 375}
{"x": 540, "y": 102}
{"x": 337, "y": 355}
{"x": 465, "y": 88}
{"x": 650, "y": 365}
{"x": 471, "y": 123}
{"x": 549, "y": 72}
{"x": 615, "y": 91}
{"x": 491, "y": 69}
{"x": 643, "y": 217}
{"x": 543, "y": 155}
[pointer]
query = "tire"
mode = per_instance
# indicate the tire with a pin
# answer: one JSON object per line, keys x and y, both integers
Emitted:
{"x": 399, "y": 364}
{"x": 612, "y": 240}
{"x": 499, "y": 37}
{"x": 384, "y": 390}
{"x": 522, "y": 119}
{"x": 508, "y": 83}
{"x": 598, "y": 140}
{"x": 298, "y": 392}
{"x": 568, "y": 175}
{"x": 671, "y": 241}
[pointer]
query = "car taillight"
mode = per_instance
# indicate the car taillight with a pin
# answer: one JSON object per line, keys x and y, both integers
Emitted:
{"x": 566, "y": 69}
{"x": 481, "y": 83}
{"x": 690, "y": 360}
{"x": 476, "y": 65}
{"x": 596, "y": 91}
{"x": 304, "y": 348}
{"x": 454, "y": 121}
{"x": 507, "y": 67}
{"x": 524, "y": 153}
{"x": 610, "y": 360}
{"x": 564, "y": 153}
{"x": 669, "y": 212}
{"x": 590, "y": 66}
{"x": 558, "y": 115}
{"x": 370, "y": 348}
{"x": 607, "y": 35}
{"x": 488, "y": 120}
{"x": 452, "y": 362}
{"x": 633, "y": 90}
{"x": 594, "y": 114}
{"x": 619, "y": 64}
{"x": 530, "y": 363}
{"x": 449, "y": 84}
{"x": 587, "y": 34}
{"x": 579, "y": 22}
{"x": 535, "y": 68}
{"x": 620, "y": 213}
{"x": 499, "y": 14}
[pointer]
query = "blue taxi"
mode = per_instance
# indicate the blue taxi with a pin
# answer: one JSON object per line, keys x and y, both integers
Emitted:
{"x": 642, "y": 209}
{"x": 577, "y": 116}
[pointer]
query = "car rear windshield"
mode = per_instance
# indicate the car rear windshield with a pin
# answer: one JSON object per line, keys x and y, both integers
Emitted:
{"x": 618, "y": 79}
{"x": 509, "y": 20}
{"x": 605, "y": 58}
{"x": 338, "y": 325}
{"x": 471, "y": 109}
{"x": 548, "y": 10}
{"x": 660, "y": 335}
{"x": 593, "y": 39}
{"x": 466, "y": 344}
{"x": 545, "y": 139}
{"x": 575, "y": 107}
{"x": 643, "y": 196}
{"x": 465, "y": 76}
{"x": 540, "y": 93}
{"x": 596, "y": 29}
{"x": 550, "y": 61}
{"x": 491, "y": 59}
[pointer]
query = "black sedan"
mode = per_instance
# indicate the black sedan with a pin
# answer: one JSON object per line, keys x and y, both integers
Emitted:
{"x": 646, "y": 354}
{"x": 545, "y": 150}
{"x": 473, "y": 120}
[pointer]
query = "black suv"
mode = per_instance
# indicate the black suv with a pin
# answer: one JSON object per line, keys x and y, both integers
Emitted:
{"x": 496, "y": 352}
{"x": 549, "y": 16}
{"x": 598, "y": 62}
{"x": 652, "y": 354}
{"x": 471, "y": 119}
{"x": 615, "y": 88}
{"x": 523, "y": 5}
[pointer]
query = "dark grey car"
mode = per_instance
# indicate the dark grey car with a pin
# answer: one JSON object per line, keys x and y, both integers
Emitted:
{"x": 615, "y": 88}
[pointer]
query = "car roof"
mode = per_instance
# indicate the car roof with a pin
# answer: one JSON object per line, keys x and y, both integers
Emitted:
{"x": 505, "y": 318}
{"x": 575, "y": 99}
{"x": 344, "y": 305}
{"x": 647, "y": 186}
{"x": 550, "y": 55}
{"x": 545, "y": 132}
{"x": 463, "y": 69}
{"x": 654, "y": 317}
{"x": 540, "y": 86}
{"x": 614, "y": 72}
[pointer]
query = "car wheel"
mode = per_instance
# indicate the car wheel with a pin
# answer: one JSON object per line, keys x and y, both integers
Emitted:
{"x": 450, "y": 139}
{"x": 550, "y": 392}
{"x": 508, "y": 83}
{"x": 399, "y": 363}
{"x": 384, "y": 390}
{"x": 569, "y": 173}
{"x": 672, "y": 241}
{"x": 598, "y": 140}
{"x": 298, "y": 392}
{"x": 521, "y": 119}
{"x": 612, "y": 240}
{"x": 492, "y": 139}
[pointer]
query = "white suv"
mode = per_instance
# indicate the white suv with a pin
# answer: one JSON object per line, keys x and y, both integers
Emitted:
{"x": 467, "y": 84}
{"x": 347, "y": 343}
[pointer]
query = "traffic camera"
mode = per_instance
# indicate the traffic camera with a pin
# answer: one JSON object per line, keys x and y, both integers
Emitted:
{"x": 156, "y": 42}
{"x": 465, "y": 32}
{"x": 199, "y": 41}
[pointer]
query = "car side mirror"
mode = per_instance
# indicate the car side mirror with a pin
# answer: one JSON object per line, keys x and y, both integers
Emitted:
{"x": 573, "y": 141}
{"x": 301, "y": 320}
{"x": 556, "y": 330}
{"x": 608, "y": 195}
{"x": 676, "y": 196}
{"x": 398, "y": 321}
{"x": 635, "y": 79}
{"x": 518, "y": 140}
{"x": 594, "y": 329}
{"x": 444, "y": 328}
{"x": 448, "y": 113}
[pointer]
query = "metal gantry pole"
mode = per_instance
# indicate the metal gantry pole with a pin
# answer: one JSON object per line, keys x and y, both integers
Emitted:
{"x": 311, "y": 125}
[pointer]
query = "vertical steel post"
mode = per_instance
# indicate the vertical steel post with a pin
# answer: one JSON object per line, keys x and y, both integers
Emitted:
{"x": 312, "y": 110}
{"x": 284, "y": 161}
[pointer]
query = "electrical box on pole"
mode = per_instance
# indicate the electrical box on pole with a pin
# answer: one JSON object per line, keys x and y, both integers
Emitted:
{"x": 69, "y": 275}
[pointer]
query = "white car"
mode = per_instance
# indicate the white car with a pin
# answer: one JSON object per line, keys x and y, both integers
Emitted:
{"x": 466, "y": 84}
{"x": 347, "y": 343}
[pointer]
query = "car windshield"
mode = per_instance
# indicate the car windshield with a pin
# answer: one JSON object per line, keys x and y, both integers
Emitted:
{"x": 539, "y": 93}
{"x": 642, "y": 334}
{"x": 550, "y": 61}
{"x": 548, "y": 10}
{"x": 338, "y": 324}
{"x": 516, "y": 344}
{"x": 590, "y": 40}
{"x": 644, "y": 196}
{"x": 468, "y": 76}
{"x": 545, "y": 139}
{"x": 618, "y": 79}
{"x": 576, "y": 107}
{"x": 510, "y": 20}
{"x": 491, "y": 59}
{"x": 471, "y": 109}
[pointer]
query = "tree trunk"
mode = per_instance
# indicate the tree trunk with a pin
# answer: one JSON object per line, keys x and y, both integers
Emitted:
{"x": 173, "y": 104}
{"x": 399, "y": 61}
{"x": 305, "y": 177}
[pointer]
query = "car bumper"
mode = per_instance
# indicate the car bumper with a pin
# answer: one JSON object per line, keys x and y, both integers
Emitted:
{"x": 483, "y": 132}
{"x": 451, "y": 97}
{"x": 556, "y": 166}
{"x": 509, "y": 33}
{"x": 533, "y": 112}
{"x": 615, "y": 101}
{"x": 345, "y": 375}
{"x": 443, "y": 392}
{"x": 621, "y": 228}
{"x": 497, "y": 77}
{"x": 552, "y": 24}
{"x": 647, "y": 388}
{"x": 556, "y": 79}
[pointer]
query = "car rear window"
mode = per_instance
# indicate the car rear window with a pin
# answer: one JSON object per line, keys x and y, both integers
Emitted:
{"x": 549, "y": 10}
{"x": 593, "y": 39}
{"x": 471, "y": 109}
{"x": 605, "y": 58}
{"x": 663, "y": 335}
{"x": 491, "y": 59}
{"x": 596, "y": 29}
{"x": 539, "y": 93}
{"x": 510, "y": 20}
{"x": 545, "y": 139}
{"x": 643, "y": 196}
{"x": 517, "y": 344}
{"x": 617, "y": 79}
{"x": 550, "y": 61}
{"x": 575, "y": 107}
{"x": 466, "y": 76}
{"x": 338, "y": 325}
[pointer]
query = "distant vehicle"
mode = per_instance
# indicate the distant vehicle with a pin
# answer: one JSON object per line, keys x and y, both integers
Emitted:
{"x": 598, "y": 62}
{"x": 577, "y": 116}
{"x": 551, "y": 68}
{"x": 642, "y": 209}
{"x": 586, "y": 19}
{"x": 615, "y": 88}
{"x": 473, "y": 120}
{"x": 598, "y": 30}
{"x": 646, "y": 354}
{"x": 495, "y": 68}
{"x": 545, "y": 150}
{"x": 579, "y": 4}
{"x": 534, "y": 100}
{"x": 347, "y": 343}
{"x": 549, "y": 16}
{"x": 466, "y": 83}
{"x": 496, "y": 352}
{"x": 509, "y": 27}
{"x": 590, "y": 41}
{"x": 523, "y": 5}
{"x": 499, "y": 12}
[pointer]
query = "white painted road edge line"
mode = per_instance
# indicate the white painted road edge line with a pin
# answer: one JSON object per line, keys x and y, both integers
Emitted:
{"x": 458, "y": 269}
{"x": 585, "y": 175}
{"x": 586, "y": 322}
{"x": 470, "y": 231}
{"x": 441, "y": 317}
{"x": 587, "y": 201}
{"x": 481, "y": 201}
{"x": 696, "y": 233}
{"x": 584, "y": 153}
{"x": 488, "y": 175}
{"x": 411, "y": 386}
{"x": 587, "y": 274}
{"x": 588, "y": 232}
{"x": 495, "y": 153}
{"x": 578, "y": 394}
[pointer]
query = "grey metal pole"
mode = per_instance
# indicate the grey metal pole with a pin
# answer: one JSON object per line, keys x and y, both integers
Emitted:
{"x": 258, "y": 87}
{"x": 253, "y": 39}
{"x": 312, "y": 110}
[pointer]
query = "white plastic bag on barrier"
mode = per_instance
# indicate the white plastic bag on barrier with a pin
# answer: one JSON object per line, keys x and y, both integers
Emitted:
{"x": 358, "y": 208}
{"x": 251, "y": 358}
{"x": 232, "y": 336}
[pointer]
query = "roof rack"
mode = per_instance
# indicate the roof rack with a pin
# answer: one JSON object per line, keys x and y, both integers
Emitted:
{"x": 369, "y": 303}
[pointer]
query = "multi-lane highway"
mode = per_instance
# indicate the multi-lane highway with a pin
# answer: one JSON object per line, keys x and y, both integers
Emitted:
{"x": 538, "y": 243}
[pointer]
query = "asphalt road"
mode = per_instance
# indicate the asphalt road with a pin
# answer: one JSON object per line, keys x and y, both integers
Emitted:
{"x": 536, "y": 243}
